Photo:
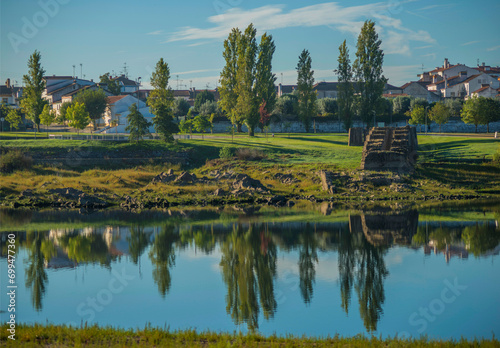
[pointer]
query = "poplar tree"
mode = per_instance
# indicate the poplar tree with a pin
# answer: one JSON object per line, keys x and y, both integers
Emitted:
{"x": 368, "y": 70}
{"x": 246, "y": 103}
{"x": 264, "y": 79}
{"x": 32, "y": 102}
{"x": 78, "y": 116}
{"x": 228, "y": 81}
{"x": 306, "y": 92}
{"x": 345, "y": 89}
{"x": 161, "y": 102}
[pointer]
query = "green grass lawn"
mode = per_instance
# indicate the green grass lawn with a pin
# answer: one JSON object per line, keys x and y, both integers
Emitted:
{"x": 62, "y": 336}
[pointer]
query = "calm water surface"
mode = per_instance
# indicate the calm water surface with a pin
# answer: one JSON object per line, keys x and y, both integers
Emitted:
{"x": 315, "y": 272}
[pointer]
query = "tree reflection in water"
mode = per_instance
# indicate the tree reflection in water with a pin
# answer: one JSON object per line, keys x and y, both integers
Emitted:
{"x": 248, "y": 268}
{"x": 162, "y": 255}
{"x": 308, "y": 257}
{"x": 35, "y": 275}
{"x": 362, "y": 266}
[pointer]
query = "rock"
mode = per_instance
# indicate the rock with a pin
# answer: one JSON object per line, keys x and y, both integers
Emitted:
{"x": 164, "y": 177}
{"x": 26, "y": 193}
{"x": 220, "y": 192}
{"x": 244, "y": 182}
{"x": 326, "y": 181}
{"x": 68, "y": 192}
{"x": 326, "y": 208}
{"x": 290, "y": 204}
{"x": 278, "y": 201}
{"x": 287, "y": 179}
{"x": 185, "y": 178}
{"x": 88, "y": 201}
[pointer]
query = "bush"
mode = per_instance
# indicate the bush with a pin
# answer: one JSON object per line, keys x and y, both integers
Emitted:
{"x": 226, "y": 152}
{"x": 11, "y": 160}
{"x": 247, "y": 154}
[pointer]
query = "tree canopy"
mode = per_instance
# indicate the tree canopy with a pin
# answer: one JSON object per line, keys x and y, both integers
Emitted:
{"x": 345, "y": 89}
{"x": 368, "y": 70}
{"x": 138, "y": 126}
{"x": 95, "y": 103}
{"x": 306, "y": 92}
{"x": 112, "y": 85}
{"x": 32, "y": 101}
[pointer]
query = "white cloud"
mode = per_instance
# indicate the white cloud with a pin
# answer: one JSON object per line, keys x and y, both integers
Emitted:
{"x": 422, "y": 47}
{"x": 494, "y": 48}
{"x": 470, "y": 43}
{"x": 395, "y": 37}
{"x": 157, "y": 32}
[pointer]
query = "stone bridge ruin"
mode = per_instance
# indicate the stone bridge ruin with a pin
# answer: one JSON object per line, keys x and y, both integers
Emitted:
{"x": 390, "y": 149}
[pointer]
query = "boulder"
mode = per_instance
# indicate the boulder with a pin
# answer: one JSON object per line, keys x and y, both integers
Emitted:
{"x": 278, "y": 201}
{"x": 185, "y": 178}
{"x": 326, "y": 181}
{"x": 164, "y": 177}
{"x": 220, "y": 192}
{"x": 244, "y": 182}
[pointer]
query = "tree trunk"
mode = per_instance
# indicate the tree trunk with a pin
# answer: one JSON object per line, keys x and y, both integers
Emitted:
{"x": 238, "y": 128}
{"x": 251, "y": 132}
{"x": 476, "y": 127}
{"x": 37, "y": 127}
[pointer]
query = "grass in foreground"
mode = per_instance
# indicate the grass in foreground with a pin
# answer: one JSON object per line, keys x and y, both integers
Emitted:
{"x": 62, "y": 336}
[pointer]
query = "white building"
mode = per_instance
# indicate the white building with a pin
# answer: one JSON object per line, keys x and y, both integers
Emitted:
{"x": 118, "y": 110}
{"x": 10, "y": 95}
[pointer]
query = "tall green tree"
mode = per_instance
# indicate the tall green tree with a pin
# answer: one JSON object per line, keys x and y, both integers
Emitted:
{"x": 201, "y": 123}
{"x": 345, "y": 89}
{"x": 138, "y": 126}
{"x": 11, "y": 115}
{"x": 210, "y": 107}
{"x": 246, "y": 103}
{"x": 202, "y": 98}
{"x": 113, "y": 85}
{"x": 264, "y": 77}
{"x": 417, "y": 115}
{"x": 306, "y": 92}
{"x": 62, "y": 116}
{"x": 491, "y": 109}
{"x": 161, "y": 102}
{"x": 480, "y": 110}
{"x": 32, "y": 101}
{"x": 440, "y": 114}
{"x": 181, "y": 107}
{"x": 47, "y": 117}
{"x": 400, "y": 105}
{"x": 95, "y": 103}
{"x": 368, "y": 70}
{"x": 327, "y": 106}
{"x": 78, "y": 116}
{"x": 228, "y": 77}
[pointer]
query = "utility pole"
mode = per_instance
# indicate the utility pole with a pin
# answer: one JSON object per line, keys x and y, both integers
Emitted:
{"x": 81, "y": 70}
{"x": 73, "y": 70}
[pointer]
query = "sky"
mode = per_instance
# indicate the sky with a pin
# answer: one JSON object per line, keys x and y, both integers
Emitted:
{"x": 104, "y": 36}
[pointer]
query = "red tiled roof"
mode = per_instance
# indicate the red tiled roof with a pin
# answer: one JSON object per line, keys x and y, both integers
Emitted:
{"x": 114, "y": 99}
{"x": 443, "y": 69}
{"x": 471, "y": 78}
{"x": 482, "y": 89}
{"x": 60, "y": 89}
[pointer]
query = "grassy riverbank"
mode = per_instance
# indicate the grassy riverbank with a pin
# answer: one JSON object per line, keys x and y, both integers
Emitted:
{"x": 61, "y": 336}
{"x": 449, "y": 167}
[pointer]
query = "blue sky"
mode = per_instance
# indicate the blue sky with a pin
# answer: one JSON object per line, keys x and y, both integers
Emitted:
{"x": 103, "y": 35}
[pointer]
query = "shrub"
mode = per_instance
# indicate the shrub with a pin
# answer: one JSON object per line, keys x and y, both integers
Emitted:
{"x": 11, "y": 160}
{"x": 226, "y": 152}
{"x": 247, "y": 154}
